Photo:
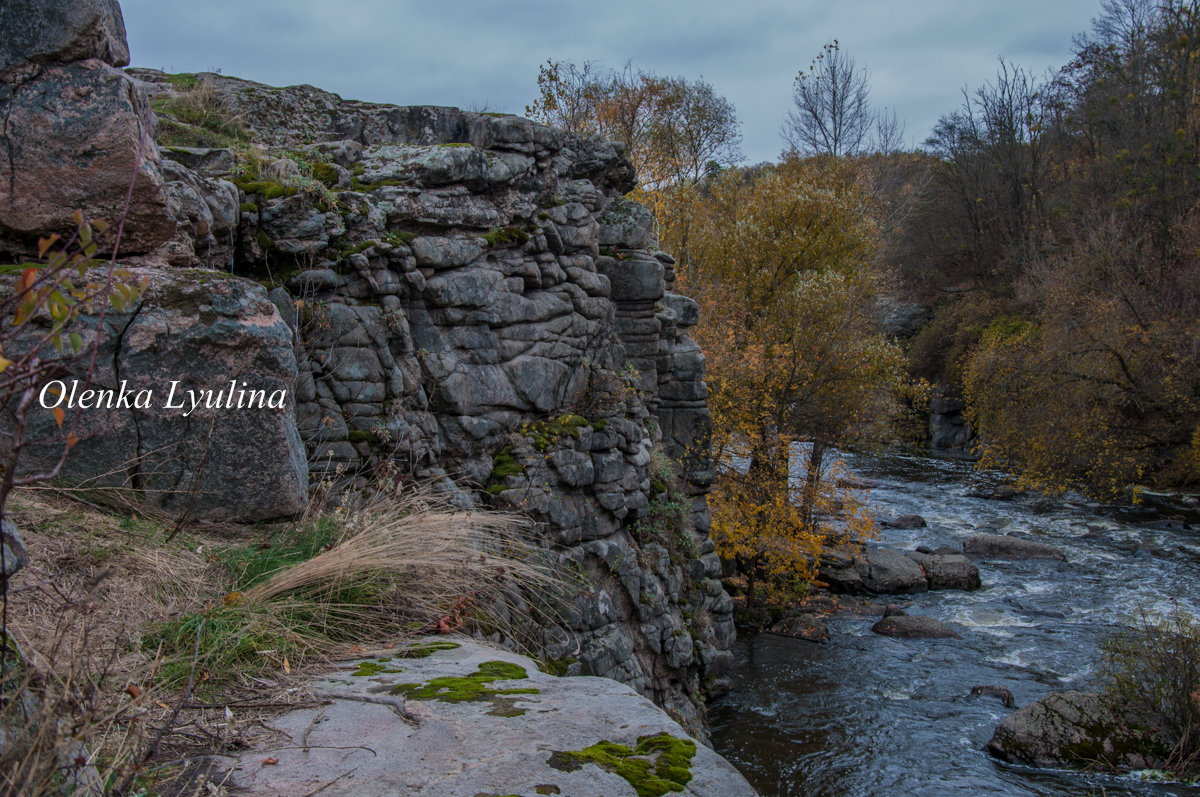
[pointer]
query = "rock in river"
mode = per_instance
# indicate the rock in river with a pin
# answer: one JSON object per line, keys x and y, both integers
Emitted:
{"x": 1079, "y": 729}
{"x": 889, "y": 571}
{"x": 905, "y": 522}
{"x": 910, "y": 626}
{"x": 947, "y": 571}
{"x": 996, "y": 546}
{"x": 802, "y": 626}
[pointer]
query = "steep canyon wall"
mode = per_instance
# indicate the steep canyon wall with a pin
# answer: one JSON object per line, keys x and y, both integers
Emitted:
{"x": 455, "y": 297}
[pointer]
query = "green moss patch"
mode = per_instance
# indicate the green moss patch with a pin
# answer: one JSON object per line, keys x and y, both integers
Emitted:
{"x": 558, "y": 667}
{"x": 371, "y": 668}
{"x": 505, "y": 465}
{"x": 366, "y": 188}
{"x": 265, "y": 189}
{"x": 506, "y": 236}
{"x": 472, "y": 688}
{"x": 544, "y": 434}
{"x": 399, "y": 238}
{"x": 184, "y": 81}
{"x": 357, "y": 248}
{"x": 326, "y": 173}
{"x": 659, "y": 764}
{"x": 425, "y": 651}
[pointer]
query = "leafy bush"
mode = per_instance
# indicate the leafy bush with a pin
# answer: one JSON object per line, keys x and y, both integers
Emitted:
{"x": 1155, "y": 667}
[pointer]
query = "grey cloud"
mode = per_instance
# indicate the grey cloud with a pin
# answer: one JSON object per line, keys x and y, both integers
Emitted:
{"x": 473, "y": 52}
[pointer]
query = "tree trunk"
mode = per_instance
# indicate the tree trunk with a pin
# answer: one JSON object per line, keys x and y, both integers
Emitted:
{"x": 812, "y": 483}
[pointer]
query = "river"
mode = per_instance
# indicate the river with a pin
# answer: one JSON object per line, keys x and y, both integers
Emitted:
{"x": 869, "y": 715}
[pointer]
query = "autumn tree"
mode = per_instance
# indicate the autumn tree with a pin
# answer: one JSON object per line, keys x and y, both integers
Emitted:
{"x": 778, "y": 260}
{"x": 674, "y": 130}
{"x": 1081, "y": 222}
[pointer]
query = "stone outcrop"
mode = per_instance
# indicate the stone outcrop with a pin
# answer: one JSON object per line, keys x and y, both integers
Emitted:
{"x": 1078, "y": 729}
{"x": 948, "y": 427}
{"x": 467, "y": 299}
{"x": 879, "y": 570}
{"x": 490, "y": 723}
{"x": 947, "y": 571}
{"x": 474, "y": 303}
{"x": 75, "y": 132}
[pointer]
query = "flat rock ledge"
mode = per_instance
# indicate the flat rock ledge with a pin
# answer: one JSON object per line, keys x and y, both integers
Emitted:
{"x": 450, "y": 716}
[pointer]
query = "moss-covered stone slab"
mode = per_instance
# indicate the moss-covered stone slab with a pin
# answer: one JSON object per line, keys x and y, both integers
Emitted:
{"x": 658, "y": 764}
{"x": 476, "y": 720}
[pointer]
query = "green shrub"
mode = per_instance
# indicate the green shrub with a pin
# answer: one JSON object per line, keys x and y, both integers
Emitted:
{"x": 1155, "y": 667}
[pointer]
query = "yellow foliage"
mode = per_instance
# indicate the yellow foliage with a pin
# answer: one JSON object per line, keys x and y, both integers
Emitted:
{"x": 778, "y": 259}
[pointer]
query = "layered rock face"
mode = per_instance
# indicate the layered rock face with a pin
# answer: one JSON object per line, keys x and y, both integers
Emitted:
{"x": 474, "y": 303}
{"x": 466, "y": 298}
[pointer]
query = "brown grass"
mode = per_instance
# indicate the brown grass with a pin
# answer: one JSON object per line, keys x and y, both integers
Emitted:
{"x": 100, "y": 587}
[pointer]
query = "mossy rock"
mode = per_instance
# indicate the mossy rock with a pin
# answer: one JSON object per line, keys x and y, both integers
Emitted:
{"x": 473, "y": 688}
{"x": 326, "y": 173}
{"x": 505, "y": 236}
{"x": 265, "y": 189}
{"x": 399, "y": 238}
{"x": 659, "y": 764}
{"x": 1079, "y": 729}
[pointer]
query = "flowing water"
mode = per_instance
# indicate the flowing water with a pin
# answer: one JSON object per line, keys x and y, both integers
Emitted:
{"x": 869, "y": 715}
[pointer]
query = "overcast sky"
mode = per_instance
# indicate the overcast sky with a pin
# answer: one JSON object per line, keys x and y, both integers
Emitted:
{"x": 485, "y": 55}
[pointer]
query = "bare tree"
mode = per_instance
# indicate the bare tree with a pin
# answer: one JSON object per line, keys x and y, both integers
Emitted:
{"x": 889, "y": 132}
{"x": 832, "y": 112}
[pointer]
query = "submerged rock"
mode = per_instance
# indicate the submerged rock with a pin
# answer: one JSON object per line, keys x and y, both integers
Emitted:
{"x": 802, "y": 626}
{"x": 1002, "y": 693}
{"x": 1079, "y": 729}
{"x": 997, "y": 546}
{"x": 905, "y": 522}
{"x": 947, "y": 571}
{"x": 912, "y": 626}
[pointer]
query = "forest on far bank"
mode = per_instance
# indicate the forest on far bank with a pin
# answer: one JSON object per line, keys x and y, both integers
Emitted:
{"x": 1048, "y": 229}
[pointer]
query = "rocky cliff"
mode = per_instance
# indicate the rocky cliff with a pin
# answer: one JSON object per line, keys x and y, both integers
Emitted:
{"x": 462, "y": 298}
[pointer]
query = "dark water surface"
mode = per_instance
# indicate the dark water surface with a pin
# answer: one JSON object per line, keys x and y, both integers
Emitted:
{"x": 869, "y": 715}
